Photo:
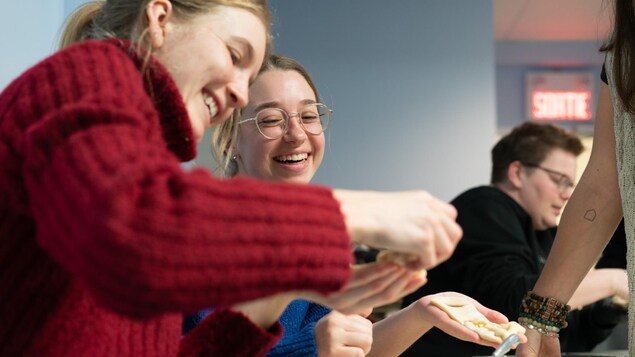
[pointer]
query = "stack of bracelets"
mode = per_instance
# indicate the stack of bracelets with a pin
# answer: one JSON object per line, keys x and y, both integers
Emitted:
{"x": 545, "y": 315}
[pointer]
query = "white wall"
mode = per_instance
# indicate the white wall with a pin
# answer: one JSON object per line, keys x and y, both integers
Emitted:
{"x": 412, "y": 85}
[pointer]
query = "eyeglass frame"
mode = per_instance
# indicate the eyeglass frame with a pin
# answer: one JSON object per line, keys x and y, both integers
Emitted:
{"x": 563, "y": 181}
{"x": 288, "y": 116}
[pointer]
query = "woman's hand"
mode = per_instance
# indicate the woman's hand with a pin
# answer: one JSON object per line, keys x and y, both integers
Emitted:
{"x": 371, "y": 285}
{"x": 337, "y": 335}
{"x": 538, "y": 345}
{"x": 410, "y": 222}
{"x": 429, "y": 313}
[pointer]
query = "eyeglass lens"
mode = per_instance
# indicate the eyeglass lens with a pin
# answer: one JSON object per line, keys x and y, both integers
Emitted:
{"x": 273, "y": 122}
{"x": 561, "y": 180}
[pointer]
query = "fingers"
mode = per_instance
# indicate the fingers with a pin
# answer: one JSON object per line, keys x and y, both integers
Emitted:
{"x": 364, "y": 274}
{"x": 441, "y": 235}
{"x": 381, "y": 292}
{"x": 448, "y": 234}
{"x": 365, "y": 312}
{"x": 491, "y": 315}
{"x": 343, "y": 335}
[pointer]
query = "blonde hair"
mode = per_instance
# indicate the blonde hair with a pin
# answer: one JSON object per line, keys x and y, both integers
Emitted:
{"x": 125, "y": 19}
{"x": 225, "y": 135}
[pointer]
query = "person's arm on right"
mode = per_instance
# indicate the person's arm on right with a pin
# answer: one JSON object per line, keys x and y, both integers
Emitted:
{"x": 587, "y": 223}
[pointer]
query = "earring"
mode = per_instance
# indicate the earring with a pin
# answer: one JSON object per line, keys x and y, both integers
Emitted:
{"x": 234, "y": 157}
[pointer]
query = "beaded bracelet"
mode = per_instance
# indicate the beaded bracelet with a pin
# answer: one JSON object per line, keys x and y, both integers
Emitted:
{"x": 536, "y": 326}
{"x": 546, "y": 314}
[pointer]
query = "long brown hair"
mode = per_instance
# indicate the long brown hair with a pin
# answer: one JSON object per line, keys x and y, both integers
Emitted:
{"x": 622, "y": 44}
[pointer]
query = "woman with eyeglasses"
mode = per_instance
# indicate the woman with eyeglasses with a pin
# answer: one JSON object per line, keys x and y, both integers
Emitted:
{"x": 106, "y": 241}
{"x": 280, "y": 136}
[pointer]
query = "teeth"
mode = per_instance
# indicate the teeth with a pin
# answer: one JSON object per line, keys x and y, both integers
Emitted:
{"x": 211, "y": 105}
{"x": 295, "y": 157}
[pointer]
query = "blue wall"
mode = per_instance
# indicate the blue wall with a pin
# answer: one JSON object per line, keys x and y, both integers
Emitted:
{"x": 411, "y": 83}
{"x": 28, "y": 30}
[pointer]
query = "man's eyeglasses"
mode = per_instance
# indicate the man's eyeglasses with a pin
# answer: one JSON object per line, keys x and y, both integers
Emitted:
{"x": 561, "y": 180}
{"x": 273, "y": 123}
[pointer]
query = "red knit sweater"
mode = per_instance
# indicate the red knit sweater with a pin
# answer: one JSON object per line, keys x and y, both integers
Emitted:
{"x": 105, "y": 241}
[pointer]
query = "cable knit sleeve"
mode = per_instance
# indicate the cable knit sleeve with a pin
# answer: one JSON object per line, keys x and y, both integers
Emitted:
{"x": 228, "y": 333}
{"x": 113, "y": 206}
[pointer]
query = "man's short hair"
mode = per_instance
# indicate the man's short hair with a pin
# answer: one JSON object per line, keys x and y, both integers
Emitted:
{"x": 531, "y": 143}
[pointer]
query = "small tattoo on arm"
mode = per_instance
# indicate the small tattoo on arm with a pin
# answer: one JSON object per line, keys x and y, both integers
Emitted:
{"x": 590, "y": 215}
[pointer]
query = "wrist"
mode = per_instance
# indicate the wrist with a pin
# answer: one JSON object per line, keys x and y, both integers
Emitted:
{"x": 359, "y": 226}
{"x": 419, "y": 309}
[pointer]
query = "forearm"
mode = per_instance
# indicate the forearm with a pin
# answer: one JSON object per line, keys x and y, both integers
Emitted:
{"x": 590, "y": 218}
{"x": 397, "y": 332}
{"x": 591, "y": 215}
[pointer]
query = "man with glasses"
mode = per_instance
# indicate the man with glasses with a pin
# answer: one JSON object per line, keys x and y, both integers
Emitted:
{"x": 508, "y": 229}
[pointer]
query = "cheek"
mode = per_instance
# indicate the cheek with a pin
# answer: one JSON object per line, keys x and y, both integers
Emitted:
{"x": 318, "y": 150}
{"x": 254, "y": 154}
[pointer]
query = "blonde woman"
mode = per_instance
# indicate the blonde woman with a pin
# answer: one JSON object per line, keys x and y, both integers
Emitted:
{"x": 106, "y": 242}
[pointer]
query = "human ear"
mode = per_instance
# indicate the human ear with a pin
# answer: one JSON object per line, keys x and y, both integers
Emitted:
{"x": 158, "y": 13}
{"x": 514, "y": 173}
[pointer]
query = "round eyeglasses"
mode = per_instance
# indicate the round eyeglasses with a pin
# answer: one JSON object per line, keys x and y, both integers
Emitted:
{"x": 561, "y": 180}
{"x": 273, "y": 123}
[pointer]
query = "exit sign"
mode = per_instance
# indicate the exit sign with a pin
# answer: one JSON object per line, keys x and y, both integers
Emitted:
{"x": 559, "y": 95}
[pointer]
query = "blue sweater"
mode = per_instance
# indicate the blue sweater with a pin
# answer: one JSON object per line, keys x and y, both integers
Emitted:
{"x": 298, "y": 323}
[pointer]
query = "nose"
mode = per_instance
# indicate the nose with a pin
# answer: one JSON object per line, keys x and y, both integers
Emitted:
{"x": 566, "y": 193}
{"x": 238, "y": 92}
{"x": 295, "y": 131}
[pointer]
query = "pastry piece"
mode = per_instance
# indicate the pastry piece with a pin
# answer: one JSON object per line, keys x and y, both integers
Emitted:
{"x": 400, "y": 259}
{"x": 462, "y": 311}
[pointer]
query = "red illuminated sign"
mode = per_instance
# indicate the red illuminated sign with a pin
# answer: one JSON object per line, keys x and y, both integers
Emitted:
{"x": 559, "y": 95}
{"x": 561, "y": 105}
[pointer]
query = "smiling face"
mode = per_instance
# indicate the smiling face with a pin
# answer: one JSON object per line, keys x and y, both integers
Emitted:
{"x": 294, "y": 157}
{"x": 211, "y": 57}
{"x": 539, "y": 193}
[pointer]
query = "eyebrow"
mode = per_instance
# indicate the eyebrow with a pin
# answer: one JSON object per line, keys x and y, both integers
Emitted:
{"x": 275, "y": 104}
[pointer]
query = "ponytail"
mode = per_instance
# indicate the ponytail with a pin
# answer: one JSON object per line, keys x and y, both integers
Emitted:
{"x": 79, "y": 24}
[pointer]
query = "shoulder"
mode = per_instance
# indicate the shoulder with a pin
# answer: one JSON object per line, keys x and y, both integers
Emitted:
{"x": 488, "y": 204}
{"x": 480, "y": 195}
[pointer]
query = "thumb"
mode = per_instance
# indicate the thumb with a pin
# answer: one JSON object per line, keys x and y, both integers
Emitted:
{"x": 365, "y": 312}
